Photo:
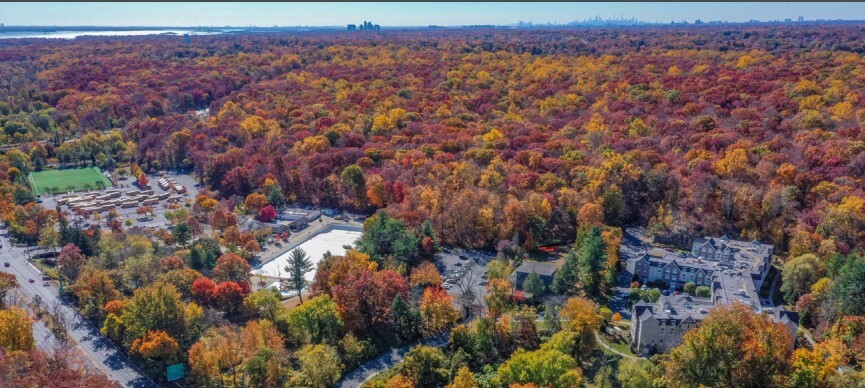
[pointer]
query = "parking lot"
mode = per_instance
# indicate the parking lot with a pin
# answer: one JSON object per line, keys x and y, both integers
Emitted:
{"x": 464, "y": 270}
{"x": 155, "y": 220}
{"x": 634, "y": 245}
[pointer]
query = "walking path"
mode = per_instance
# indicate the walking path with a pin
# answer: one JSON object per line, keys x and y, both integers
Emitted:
{"x": 610, "y": 348}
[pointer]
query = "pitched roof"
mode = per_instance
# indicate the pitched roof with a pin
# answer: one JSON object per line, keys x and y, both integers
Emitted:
{"x": 544, "y": 269}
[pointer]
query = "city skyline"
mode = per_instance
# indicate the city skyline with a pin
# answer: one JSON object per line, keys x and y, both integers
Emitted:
{"x": 406, "y": 14}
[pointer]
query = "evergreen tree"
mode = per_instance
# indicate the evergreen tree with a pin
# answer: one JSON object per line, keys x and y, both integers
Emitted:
{"x": 534, "y": 285}
{"x": 592, "y": 259}
{"x": 297, "y": 267}
{"x": 182, "y": 233}
{"x": 275, "y": 196}
{"x": 405, "y": 319}
{"x": 565, "y": 279}
{"x": 551, "y": 324}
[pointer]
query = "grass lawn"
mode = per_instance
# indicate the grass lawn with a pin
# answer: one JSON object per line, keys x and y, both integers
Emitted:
{"x": 621, "y": 347}
{"x": 62, "y": 180}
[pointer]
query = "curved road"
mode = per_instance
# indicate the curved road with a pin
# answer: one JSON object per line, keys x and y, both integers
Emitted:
{"x": 87, "y": 337}
{"x": 386, "y": 361}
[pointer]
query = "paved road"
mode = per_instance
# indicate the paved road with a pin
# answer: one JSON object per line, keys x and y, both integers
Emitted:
{"x": 89, "y": 340}
{"x": 632, "y": 248}
{"x": 386, "y": 361}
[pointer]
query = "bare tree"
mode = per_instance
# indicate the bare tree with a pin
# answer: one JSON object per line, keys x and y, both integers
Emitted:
{"x": 14, "y": 298}
{"x": 59, "y": 321}
{"x": 468, "y": 297}
{"x": 37, "y": 303}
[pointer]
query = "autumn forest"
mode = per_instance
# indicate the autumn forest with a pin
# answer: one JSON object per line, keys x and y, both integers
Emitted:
{"x": 483, "y": 139}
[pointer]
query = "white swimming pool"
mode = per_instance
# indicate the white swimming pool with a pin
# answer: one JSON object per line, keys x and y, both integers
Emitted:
{"x": 330, "y": 239}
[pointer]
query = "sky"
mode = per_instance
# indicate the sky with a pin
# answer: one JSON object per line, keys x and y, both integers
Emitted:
{"x": 402, "y": 14}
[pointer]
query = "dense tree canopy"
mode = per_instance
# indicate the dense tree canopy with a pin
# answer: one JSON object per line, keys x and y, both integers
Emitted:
{"x": 477, "y": 138}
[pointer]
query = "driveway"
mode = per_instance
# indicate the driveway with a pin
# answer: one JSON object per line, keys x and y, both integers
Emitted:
{"x": 98, "y": 349}
{"x": 387, "y": 360}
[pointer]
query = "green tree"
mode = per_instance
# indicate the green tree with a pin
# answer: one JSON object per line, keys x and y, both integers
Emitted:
{"x": 636, "y": 373}
{"x": 275, "y": 196}
{"x": 565, "y": 279}
{"x": 320, "y": 365}
{"x": 353, "y": 180}
{"x": 499, "y": 269}
{"x": 543, "y": 368}
{"x": 406, "y": 320}
{"x": 387, "y": 238}
{"x": 266, "y": 302}
{"x": 690, "y": 288}
{"x": 426, "y": 366}
{"x": 651, "y": 295}
{"x": 203, "y": 254}
{"x": 534, "y": 285}
{"x": 49, "y": 238}
{"x": 182, "y": 233}
{"x": 161, "y": 307}
{"x": 592, "y": 259}
{"x": 352, "y": 350}
{"x": 847, "y": 296}
{"x": 316, "y": 321}
{"x": 798, "y": 276}
{"x": 702, "y": 291}
{"x": 298, "y": 266}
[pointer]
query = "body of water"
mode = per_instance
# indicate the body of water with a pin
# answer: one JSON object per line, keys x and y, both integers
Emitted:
{"x": 75, "y": 34}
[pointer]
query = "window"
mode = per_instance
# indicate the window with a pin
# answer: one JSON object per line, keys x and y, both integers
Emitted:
{"x": 662, "y": 332}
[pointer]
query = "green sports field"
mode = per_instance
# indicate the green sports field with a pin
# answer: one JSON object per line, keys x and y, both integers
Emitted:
{"x": 62, "y": 180}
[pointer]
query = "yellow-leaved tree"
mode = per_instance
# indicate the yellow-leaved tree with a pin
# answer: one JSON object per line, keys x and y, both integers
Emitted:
{"x": 15, "y": 330}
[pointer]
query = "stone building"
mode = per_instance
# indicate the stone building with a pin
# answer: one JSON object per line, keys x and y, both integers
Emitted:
{"x": 733, "y": 270}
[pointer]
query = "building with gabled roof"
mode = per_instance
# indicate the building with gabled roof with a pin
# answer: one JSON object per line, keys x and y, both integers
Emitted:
{"x": 733, "y": 270}
{"x": 545, "y": 271}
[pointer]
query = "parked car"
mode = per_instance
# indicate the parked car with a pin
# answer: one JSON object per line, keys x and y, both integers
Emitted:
{"x": 459, "y": 264}
{"x": 6, "y": 264}
{"x": 32, "y": 281}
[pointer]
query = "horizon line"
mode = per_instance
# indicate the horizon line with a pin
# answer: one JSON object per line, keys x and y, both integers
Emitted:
{"x": 512, "y": 24}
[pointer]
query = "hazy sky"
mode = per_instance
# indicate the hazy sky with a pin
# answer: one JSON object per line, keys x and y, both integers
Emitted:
{"x": 402, "y": 14}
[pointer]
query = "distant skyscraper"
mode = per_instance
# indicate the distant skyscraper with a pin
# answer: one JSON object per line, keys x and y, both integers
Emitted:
{"x": 801, "y": 18}
{"x": 186, "y": 38}
{"x": 352, "y": 27}
{"x": 367, "y": 26}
